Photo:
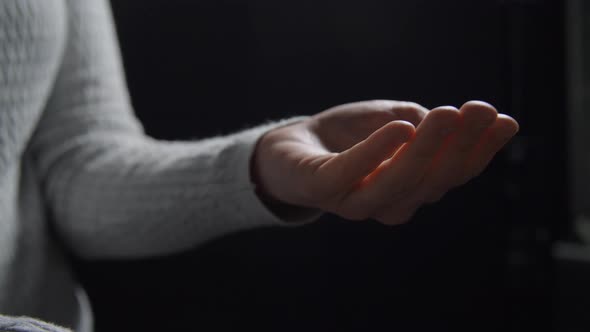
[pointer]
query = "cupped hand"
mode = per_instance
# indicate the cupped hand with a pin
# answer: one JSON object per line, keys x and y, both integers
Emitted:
{"x": 378, "y": 159}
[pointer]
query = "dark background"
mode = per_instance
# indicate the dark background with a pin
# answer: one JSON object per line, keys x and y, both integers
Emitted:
{"x": 478, "y": 260}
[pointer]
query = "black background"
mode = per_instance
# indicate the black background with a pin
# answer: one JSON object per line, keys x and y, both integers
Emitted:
{"x": 478, "y": 259}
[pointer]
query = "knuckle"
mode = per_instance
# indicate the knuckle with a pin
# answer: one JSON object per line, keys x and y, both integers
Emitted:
{"x": 353, "y": 214}
{"x": 360, "y": 209}
{"x": 395, "y": 214}
{"x": 347, "y": 209}
{"x": 435, "y": 193}
{"x": 393, "y": 219}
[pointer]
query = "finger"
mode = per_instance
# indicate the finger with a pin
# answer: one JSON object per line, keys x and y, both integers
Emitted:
{"x": 409, "y": 111}
{"x": 476, "y": 117}
{"x": 343, "y": 126}
{"x": 391, "y": 110}
{"x": 349, "y": 167}
{"x": 396, "y": 214}
{"x": 401, "y": 175}
{"x": 503, "y": 129}
{"x": 448, "y": 168}
{"x": 377, "y": 113}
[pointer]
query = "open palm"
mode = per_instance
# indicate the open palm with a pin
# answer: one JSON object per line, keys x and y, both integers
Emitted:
{"x": 379, "y": 159}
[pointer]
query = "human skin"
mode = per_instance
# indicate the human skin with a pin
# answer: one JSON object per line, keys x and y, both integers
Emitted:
{"x": 377, "y": 159}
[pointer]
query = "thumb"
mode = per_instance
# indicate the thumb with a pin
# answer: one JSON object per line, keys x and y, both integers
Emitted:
{"x": 351, "y": 166}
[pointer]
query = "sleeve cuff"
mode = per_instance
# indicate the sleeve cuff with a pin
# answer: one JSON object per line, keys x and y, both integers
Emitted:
{"x": 254, "y": 208}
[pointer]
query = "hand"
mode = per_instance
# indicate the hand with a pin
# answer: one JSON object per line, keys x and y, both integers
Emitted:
{"x": 378, "y": 159}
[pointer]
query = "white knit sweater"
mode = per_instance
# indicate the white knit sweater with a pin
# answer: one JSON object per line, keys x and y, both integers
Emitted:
{"x": 77, "y": 171}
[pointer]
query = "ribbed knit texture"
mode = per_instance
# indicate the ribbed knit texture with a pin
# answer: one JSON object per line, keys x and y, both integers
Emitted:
{"x": 25, "y": 324}
{"x": 73, "y": 158}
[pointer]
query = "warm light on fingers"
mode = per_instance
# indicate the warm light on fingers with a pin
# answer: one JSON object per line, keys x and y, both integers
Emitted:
{"x": 495, "y": 138}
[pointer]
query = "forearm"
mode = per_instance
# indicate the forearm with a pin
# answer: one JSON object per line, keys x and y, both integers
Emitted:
{"x": 25, "y": 324}
{"x": 112, "y": 191}
{"x": 128, "y": 195}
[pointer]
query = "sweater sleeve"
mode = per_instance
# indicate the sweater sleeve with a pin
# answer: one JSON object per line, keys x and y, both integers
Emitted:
{"x": 113, "y": 191}
{"x": 26, "y": 324}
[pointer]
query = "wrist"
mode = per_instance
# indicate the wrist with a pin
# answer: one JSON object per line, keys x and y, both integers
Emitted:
{"x": 261, "y": 176}
{"x": 280, "y": 209}
{"x": 277, "y": 207}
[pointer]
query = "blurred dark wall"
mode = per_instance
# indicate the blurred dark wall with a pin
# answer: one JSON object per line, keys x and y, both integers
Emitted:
{"x": 259, "y": 59}
{"x": 201, "y": 68}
